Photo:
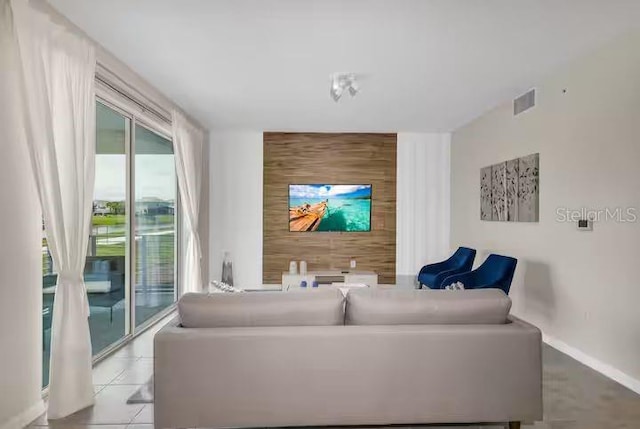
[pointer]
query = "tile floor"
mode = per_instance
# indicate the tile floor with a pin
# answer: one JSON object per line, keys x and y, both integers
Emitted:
{"x": 115, "y": 379}
{"x": 575, "y": 396}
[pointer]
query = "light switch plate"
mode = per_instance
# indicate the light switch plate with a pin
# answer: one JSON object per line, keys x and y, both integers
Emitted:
{"x": 352, "y": 264}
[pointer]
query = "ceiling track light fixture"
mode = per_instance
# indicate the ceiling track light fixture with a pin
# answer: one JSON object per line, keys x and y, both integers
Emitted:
{"x": 341, "y": 83}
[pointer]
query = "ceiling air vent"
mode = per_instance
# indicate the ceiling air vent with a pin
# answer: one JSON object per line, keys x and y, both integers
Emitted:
{"x": 524, "y": 102}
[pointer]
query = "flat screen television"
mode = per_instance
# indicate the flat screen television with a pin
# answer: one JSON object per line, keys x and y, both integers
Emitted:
{"x": 330, "y": 208}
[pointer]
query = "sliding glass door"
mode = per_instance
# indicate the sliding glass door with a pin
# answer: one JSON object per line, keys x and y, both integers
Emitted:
{"x": 155, "y": 224}
{"x": 135, "y": 197}
{"x": 105, "y": 274}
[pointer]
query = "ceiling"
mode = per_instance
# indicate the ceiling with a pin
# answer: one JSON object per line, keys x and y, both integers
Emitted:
{"x": 429, "y": 65}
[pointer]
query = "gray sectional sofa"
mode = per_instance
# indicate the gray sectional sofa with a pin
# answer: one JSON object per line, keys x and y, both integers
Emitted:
{"x": 316, "y": 358}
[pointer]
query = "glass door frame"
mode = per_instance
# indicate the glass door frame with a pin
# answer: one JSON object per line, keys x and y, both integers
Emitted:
{"x": 132, "y": 231}
{"x": 113, "y": 101}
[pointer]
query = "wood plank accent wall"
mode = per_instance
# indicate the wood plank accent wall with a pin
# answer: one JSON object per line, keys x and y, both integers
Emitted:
{"x": 319, "y": 158}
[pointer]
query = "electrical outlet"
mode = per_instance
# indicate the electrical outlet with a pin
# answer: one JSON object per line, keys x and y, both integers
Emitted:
{"x": 352, "y": 264}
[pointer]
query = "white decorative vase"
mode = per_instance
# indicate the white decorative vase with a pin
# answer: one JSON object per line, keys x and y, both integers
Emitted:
{"x": 303, "y": 267}
{"x": 293, "y": 267}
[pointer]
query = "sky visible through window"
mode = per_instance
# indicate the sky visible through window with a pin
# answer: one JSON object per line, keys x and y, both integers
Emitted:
{"x": 154, "y": 177}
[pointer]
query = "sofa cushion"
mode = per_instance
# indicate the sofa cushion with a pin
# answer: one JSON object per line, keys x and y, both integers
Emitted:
{"x": 427, "y": 307}
{"x": 311, "y": 308}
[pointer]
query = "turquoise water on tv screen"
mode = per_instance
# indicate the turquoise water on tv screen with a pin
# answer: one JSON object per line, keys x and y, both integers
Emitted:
{"x": 343, "y": 214}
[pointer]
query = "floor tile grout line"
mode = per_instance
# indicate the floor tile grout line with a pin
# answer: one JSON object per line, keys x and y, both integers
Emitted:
{"x": 129, "y": 384}
{"x": 96, "y": 391}
{"x": 114, "y": 378}
{"x": 138, "y": 413}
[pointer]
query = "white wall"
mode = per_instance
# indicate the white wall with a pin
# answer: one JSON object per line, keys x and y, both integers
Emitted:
{"x": 581, "y": 288}
{"x": 236, "y": 203}
{"x": 422, "y": 210}
{"x": 20, "y": 259}
{"x": 235, "y": 211}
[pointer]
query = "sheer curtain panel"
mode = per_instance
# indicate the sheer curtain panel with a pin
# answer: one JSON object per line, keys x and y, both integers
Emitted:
{"x": 58, "y": 72}
{"x": 188, "y": 141}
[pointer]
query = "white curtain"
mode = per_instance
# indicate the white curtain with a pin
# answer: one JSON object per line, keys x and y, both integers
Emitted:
{"x": 58, "y": 70}
{"x": 188, "y": 141}
{"x": 423, "y": 200}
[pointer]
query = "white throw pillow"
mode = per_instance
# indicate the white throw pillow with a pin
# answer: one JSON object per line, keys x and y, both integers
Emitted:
{"x": 223, "y": 287}
{"x": 455, "y": 286}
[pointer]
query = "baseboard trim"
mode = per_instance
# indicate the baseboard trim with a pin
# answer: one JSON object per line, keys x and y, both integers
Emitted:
{"x": 603, "y": 368}
{"x": 27, "y": 416}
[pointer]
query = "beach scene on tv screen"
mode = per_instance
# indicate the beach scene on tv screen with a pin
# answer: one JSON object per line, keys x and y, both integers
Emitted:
{"x": 340, "y": 208}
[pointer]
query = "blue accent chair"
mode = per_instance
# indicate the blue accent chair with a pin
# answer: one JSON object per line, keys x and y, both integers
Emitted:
{"x": 495, "y": 272}
{"x": 432, "y": 275}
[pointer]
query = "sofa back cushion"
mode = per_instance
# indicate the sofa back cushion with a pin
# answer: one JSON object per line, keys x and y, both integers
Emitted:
{"x": 427, "y": 307}
{"x": 218, "y": 310}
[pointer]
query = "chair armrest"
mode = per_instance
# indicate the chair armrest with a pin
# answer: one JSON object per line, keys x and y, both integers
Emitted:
{"x": 439, "y": 281}
{"x": 464, "y": 278}
{"x": 433, "y": 268}
{"x": 117, "y": 280}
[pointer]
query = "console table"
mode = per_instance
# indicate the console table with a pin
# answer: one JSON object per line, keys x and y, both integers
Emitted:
{"x": 329, "y": 277}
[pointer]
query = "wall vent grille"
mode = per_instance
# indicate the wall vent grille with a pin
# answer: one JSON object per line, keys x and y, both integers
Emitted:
{"x": 524, "y": 102}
